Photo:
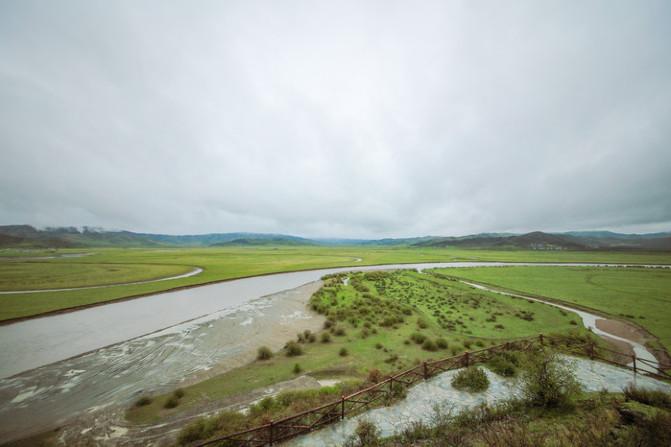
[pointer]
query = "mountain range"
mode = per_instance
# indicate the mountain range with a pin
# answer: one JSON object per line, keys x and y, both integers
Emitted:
{"x": 26, "y": 236}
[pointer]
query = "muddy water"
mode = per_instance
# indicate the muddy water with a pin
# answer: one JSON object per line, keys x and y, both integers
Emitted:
{"x": 47, "y": 397}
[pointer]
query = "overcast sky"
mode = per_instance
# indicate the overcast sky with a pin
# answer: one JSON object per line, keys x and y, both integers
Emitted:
{"x": 335, "y": 118}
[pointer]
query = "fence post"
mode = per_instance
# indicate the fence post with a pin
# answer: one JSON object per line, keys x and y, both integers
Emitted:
{"x": 270, "y": 437}
{"x": 426, "y": 371}
{"x": 342, "y": 407}
{"x": 540, "y": 339}
{"x": 466, "y": 358}
{"x": 634, "y": 357}
{"x": 391, "y": 387}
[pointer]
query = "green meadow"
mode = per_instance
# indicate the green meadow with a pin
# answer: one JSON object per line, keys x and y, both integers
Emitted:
{"x": 120, "y": 265}
{"x": 640, "y": 295}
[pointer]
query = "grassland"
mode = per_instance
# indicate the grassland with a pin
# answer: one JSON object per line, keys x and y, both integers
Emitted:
{"x": 640, "y": 295}
{"x": 115, "y": 265}
{"x": 385, "y": 321}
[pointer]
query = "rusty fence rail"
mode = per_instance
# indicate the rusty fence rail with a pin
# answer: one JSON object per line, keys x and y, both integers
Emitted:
{"x": 385, "y": 391}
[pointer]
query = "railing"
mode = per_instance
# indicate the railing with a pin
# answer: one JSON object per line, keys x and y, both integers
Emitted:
{"x": 359, "y": 401}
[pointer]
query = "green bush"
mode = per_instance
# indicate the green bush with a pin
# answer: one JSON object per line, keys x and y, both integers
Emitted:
{"x": 172, "y": 402}
{"x": 366, "y": 434}
{"x": 418, "y": 338}
{"x": 325, "y": 337}
{"x": 441, "y": 343}
{"x": 343, "y": 352}
{"x": 297, "y": 369}
{"x": 471, "y": 379}
{"x": 293, "y": 349}
{"x": 504, "y": 364}
{"x": 142, "y": 401}
{"x": 548, "y": 381}
{"x": 178, "y": 393}
{"x": 264, "y": 353}
{"x": 429, "y": 345}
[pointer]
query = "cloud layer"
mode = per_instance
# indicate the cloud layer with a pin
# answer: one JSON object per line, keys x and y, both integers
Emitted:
{"x": 358, "y": 119}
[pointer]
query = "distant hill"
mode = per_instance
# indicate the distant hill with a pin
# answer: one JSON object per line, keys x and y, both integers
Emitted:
{"x": 26, "y": 236}
{"x": 538, "y": 240}
{"x": 266, "y": 240}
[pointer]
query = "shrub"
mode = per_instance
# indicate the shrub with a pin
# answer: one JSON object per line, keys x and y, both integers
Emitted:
{"x": 339, "y": 331}
{"x": 441, "y": 343}
{"x": 178, "y": 393}
{"x": 142, "y": 401}
{"x": 343, "y": 352}
{"x": 264, "y": 353}
{"x": 471, "y": 379}
{"x": 297, "y": 369}
{"x": 293, "y": 349}
{"x": 378, "y": 346}
{"x": 429, "y": 345}
{"x": 422, "y": 324}
{"x": 326, "y": 337}
{"x": 172, "y": 402}
{"x": 504, "y": 364}
{"x": 418, "y": 338}
{"x": 365, "y": 435}
{"x": 548, "y": 381}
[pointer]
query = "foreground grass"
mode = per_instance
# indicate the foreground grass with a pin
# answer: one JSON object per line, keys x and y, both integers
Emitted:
{"x": 115, "y": 265}
{"x": 639, "y": 295}
{"x": 388, "y": 321}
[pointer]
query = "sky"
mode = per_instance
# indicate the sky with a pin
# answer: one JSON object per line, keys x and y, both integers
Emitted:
{"x": 336, "y": 119}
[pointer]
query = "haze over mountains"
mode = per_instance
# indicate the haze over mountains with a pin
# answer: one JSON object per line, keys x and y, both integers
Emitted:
{"x": 26, "y": 236}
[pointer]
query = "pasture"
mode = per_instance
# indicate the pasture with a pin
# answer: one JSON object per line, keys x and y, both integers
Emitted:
{"x": 19, "y": 270}
{"x": 640, "y": 295}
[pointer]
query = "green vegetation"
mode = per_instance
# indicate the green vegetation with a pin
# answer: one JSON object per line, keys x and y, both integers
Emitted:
{"x": 284, "y": 404}
{"x": 379, "y": 314}
{"x": 472, "y": 379}
{"x": 119, "y": 265}
{"x": 264, "y": 353}
{"x": 640, "y": 295}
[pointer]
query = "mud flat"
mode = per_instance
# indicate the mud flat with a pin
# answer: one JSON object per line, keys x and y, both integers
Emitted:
{"x": 97, "y": 386}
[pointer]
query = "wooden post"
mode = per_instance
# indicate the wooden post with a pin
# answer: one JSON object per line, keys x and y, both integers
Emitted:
{"x": 425, "y": 369}
{"x": 391, "y": 387}
{"x": 342, "y": 407}
{"x": 540, "y": 338}
{"x": 270, "y": 437}
{"x": 466, "y": 358}
{"x": 634, "y": 357}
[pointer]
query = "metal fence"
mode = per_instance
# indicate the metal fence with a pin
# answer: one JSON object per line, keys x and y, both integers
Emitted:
{"x": 301, "y": 423}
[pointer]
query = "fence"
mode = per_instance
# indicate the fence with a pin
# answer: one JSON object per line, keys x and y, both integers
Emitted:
{"x": 315, "y": 418}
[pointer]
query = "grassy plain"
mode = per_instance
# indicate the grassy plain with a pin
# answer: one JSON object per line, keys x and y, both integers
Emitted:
{"x": 641, "y": 295}
{"x": 114, "y": 265}
{"x": 389, "y": 321}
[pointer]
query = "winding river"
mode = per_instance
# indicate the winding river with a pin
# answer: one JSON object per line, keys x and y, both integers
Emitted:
{"x": 64, "y": 364}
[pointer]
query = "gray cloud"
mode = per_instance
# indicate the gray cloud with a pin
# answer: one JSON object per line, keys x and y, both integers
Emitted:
{"x": 336, "y": 118}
